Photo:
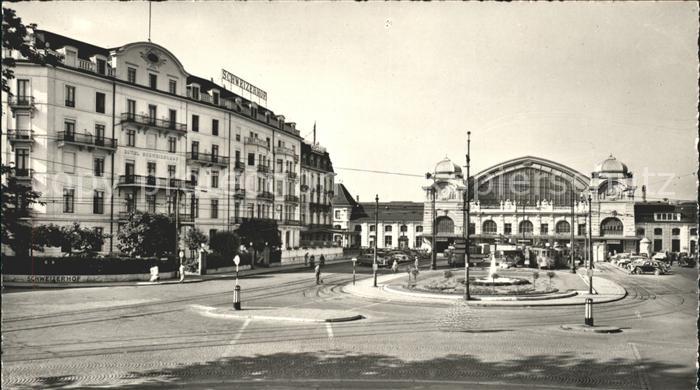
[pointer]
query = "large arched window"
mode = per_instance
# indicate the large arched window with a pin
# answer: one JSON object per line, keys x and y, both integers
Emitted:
{"x": 489, "y": 227}
{"x": 525, "y": 227}
{"x": 563, "y": 227}
{"x": 611, "y": 227}
{"x": 445, "y": 225}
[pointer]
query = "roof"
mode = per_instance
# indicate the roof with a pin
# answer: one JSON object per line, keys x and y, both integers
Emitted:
{"x": 57, "y": 41}
{"x": 307, "y": 150}
{"x": 392, "y": 211}
{"x": 644, "y": 211}
{"x": 342, "y": 197}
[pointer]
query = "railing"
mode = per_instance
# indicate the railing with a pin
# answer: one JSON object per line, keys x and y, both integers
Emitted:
{"x": 22, "y": 173}
{"x": 128, "y": 117}
{"x": 236, "y": 220}
{"x": 70, "y": 103}
{"x": 21, "y": 101}
{"x": 263, "y": 169}
{"x": 256, "y": 141}
{"x": 152, "y": 181}
{"x": 320, "y": 226}
{"x": 239, "y": 166}
{"x": 314, "y": 206}
{"x": 21, "y": 135}
{"x": 207, "y": 158}
{"x": 292, "y": 175}
{"x": 291, "y": 198}
{"x": 87, "y": 139}
{"x": 265, "y": 195}
{"x": 124, "y": 215}
{"x": 239, "y": 193}
{"x": 286, "y": 151}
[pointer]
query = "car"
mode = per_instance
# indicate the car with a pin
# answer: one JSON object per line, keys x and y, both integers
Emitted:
{"x": 368, "y": 259}
{"x": 400, "y": 258}
{"x": 623, "y": 262}
{"x": 660, "y": 256}
{"x": 686, "y": 261}
{"x": 640, "y": 266}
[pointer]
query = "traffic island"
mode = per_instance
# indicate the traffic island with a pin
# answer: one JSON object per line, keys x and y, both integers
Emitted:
{"x": 589, "y": 328}
{"x": 289, "y": 314}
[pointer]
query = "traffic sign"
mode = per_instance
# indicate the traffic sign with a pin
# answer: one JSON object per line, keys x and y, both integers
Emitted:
{"x": 236, "y": 260}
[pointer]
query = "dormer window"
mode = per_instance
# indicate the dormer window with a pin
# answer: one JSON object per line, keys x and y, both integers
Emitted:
{"x": 153, "y": 80}
{"x": 71, "y": 58}
{"x": 194, "y": 92}
{"x": 101, "y": 66}
{"x": 215, "y": 97}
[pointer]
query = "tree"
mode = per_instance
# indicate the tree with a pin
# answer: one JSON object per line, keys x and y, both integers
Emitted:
{"x": 225, "y": 243}
{"x": 84, "y": 241}
{"x": 146, "y": 234}
{"x": 17, "y": 199}
{"x": 194, "y": 239}
{"x": 260, "y": 232}
{"x": 16, "y": 36}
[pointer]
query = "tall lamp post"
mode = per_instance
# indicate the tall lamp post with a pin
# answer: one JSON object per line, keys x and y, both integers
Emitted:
{"x": 590, "y": 246}
{"x": 466, "y": 225}
{"x": 573, "y": 260}
{"x": 433, "y": 258}
{"x": 376, "y": 240}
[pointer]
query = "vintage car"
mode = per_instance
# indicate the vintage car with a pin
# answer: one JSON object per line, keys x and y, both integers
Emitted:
{"x": 368, "y": 259}
{"x": 639, "y": 266}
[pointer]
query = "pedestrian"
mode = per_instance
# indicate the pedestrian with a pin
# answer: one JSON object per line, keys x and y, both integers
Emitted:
{"x": 318, "y": 274}
{"x": 416, "y": 262}
{"x": 306, "y": 259}
{"x": 395, "y": 266}
{"x": 322, "y": 260}
{"x": 312, "y": 261}
{"x": 182, "y": 272}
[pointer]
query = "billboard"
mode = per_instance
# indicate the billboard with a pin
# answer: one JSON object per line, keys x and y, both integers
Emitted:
{"x": 241, "y": 87}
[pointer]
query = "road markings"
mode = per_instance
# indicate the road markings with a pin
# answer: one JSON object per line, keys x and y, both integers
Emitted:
{"x": 329, "y": 330}
{"x": 229, "y": 349}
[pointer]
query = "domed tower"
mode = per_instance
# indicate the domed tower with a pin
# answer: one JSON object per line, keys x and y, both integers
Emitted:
{"x": 444, "y": 190}
{"x": 613, "y": 205}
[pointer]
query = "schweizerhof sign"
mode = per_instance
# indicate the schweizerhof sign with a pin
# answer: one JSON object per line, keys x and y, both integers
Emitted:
{"x": 237, "y": 85}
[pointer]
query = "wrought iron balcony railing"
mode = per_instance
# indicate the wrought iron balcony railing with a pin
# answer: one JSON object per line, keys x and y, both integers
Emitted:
{"x": 145, "y": 120}
{"x": 155, "y": 182}
{"x": 263, "y": 169}
{"x": 21, "y": 102}
{"x": 20, "y": 136}
{"x": 256, "y": 141}
{"x": 239, "y": 166}
{"x": 207, "y": 159}
{"x": 87, "y": 140}
{"x": 291, "y": 198}
{"x": 265, "y": 195}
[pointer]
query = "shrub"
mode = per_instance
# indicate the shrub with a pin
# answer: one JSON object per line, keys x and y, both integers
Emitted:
{"x": 225, "y": 244}
{"x": 85, "y": 265}
{"x": 447, "y": 274}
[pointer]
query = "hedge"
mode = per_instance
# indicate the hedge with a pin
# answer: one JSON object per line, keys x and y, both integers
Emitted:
{"x": 215, "y": 260}
{"x": 12, "y": 265}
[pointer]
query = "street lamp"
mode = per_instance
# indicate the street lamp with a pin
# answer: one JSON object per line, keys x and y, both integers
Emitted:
{"x": 433, "y": 258}
{"x": 466, "y": 225}
{"x": 573, "y": 260}
{"x": 354, "y": 261}
{"x": 590, "y": 245}
{"x": 376, "y": 240}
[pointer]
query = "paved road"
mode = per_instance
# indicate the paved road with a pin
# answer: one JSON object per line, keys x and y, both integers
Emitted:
{"x": 153, "y": 336}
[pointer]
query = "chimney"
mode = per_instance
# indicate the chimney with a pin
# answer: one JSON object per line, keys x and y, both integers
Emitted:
{"x": 644, "y": 193}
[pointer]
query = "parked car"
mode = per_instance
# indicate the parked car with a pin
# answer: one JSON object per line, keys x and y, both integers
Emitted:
{"x": 660, "y": 256}
{"x": 640, "y": 266}
{"x": 400, "y": 257}
{"x": 686, "y": 261}
{"x": 623, "y": 262}
{"x": 368, "y": 260}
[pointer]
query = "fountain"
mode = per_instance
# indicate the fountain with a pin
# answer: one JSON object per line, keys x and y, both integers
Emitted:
{"x": 498, "y": 280}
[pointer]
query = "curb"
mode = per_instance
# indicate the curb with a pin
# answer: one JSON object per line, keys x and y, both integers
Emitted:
{"x": 486, "y": 298}
{"x": 589, "y": 329}
{"x": 241, "y": 314}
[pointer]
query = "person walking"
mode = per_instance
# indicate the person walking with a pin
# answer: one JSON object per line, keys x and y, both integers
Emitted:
{"x": 395, "y": 266}
{"x": 416, "y": 262}
{"x": 322, "y": 260}
{"x": 318, "y": 274}
{"x": 306, "y": 259}
{"x": 312, "y": 261}
{"x": 182, "y": 272}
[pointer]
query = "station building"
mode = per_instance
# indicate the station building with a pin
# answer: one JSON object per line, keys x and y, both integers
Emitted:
{"x": 109, "y": 131}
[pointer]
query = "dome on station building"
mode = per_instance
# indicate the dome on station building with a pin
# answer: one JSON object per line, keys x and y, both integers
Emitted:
{"x": 611, "y": 168}
{"x": 446, "y": 168}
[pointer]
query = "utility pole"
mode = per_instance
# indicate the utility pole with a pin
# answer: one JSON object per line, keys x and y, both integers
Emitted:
{"x": 573, "y": 261}
{"x": 177, "y": 218}
{"x": 466, "y": 226}
{"x": 433, "y": 255}
{"x": 590, "y": 246}
{"x": 376, "y": 238}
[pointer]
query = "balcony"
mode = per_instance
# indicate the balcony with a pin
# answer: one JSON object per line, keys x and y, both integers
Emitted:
{"x": 265, "y": 195}
{"x": 292, "y": 175}
{"x": 25, "y": 137}
{"x": 256, "y": 142}
{"x": 91, "y": 67}
{"x": 291, "y": 199}
{"x": 319, "y": 207}
{"x": 292, "y": 222}
{"x": 87, "y": 140}
{"x": 263, "y": 169}
{"x": 22, "y": 174}
{"x": 183, "y": 218}
{"x": 207, "y": 159}
{"x": 21, "y": 102}
{"x": 239, "y": 193}
{"x": 283, "y": 150}
{"x": 238, "y": 220}
{"x": 155, "y": 182}
{"x": 147, "y": 121}
{"x": 239, "y": 166}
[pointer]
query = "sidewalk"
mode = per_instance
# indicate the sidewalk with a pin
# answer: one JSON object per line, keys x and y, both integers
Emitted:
{"x": 188, "y": 278}
{"x": 607, "y": 291}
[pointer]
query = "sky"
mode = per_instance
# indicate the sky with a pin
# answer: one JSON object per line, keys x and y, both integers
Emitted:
{"x": 396, "y": 86}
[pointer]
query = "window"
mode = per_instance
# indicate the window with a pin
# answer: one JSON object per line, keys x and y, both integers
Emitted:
{"x": 387, "y": 228}
{"x": 640, "y": 231}
{"x": 71, "y": 57}
{"x": 694, "y": 231}
{"x": 214, "y": 179}
{"x": 172, "y": 144}
{"x": 69, "y": 129}
{"x": 658, "y": 245}
{"x": 23, "y": 90}
{"x": 100, "y": 102}
{"x": 212, "y": 233}
{"x": 581, "y": 229}
{"x": 215, "y": 153}
{"x": 279, "y": 188}
{"x": 563, "y": 227}
{"x": 676, "y": 232}
{"x": 68, "y": 162}
{"x": 101, "y": 66}
{"x": 214, "y": 208}
{"x": 99, "y": 166}
{"x": 489, "y": 227}
{"x": 171, "y": 171}
{"x": 525, "y": 227}
{"x": 152, "y": 81}
{"x": 215, "y": 98}
{"x": 151, "y": 168}
{"x": 172, "y": 117}
{"x": 195, "y": 92}
{"x": 238, "y": 137}
{"x": 215, "y": 127}
{"x": 131, "y": 109}
{"x": 151, "y": 203}
{"x": 21, "y": 161}
{"x": 131, "y": 75}
{"x": 507, "y": 228}
{"x": 152, "y": 114}
{"x": 99, "y": 135}
{"x": 195, "y": 207}
{"x": 194, "y": 174}
{"x": 172, "y": 86}
{"x": 129, "y": 169}
{"x": 68, "y": 200}
{"x": 131, "y": 138}
{"x": 251, "y": 159}
{"x": 70, "y": 96}
{"x": 195, "y": 122}
{"x": 658, "y": 231}
{"x": 195, "y": 150}
{"x": 419, "y": 229}
{"x": 387, "y": 241}
{"x": 675, "y": 245}
{"x": 544, "y": 229}
{"x": 372, "y": 228}
{"x": 98, "y": 202}
{"x": 337, "y": 214}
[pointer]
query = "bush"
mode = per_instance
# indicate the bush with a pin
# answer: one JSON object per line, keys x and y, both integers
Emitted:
{"x": 447, "y": 274}
{"x": 84, "y": 265}
{"x": 215, "y": 260}
{"x": 225, "y": 244}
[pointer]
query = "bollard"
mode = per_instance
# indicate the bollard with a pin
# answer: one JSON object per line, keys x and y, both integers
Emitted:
{"x": 589, "y": 312}
{"x": 237, "y": 298}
